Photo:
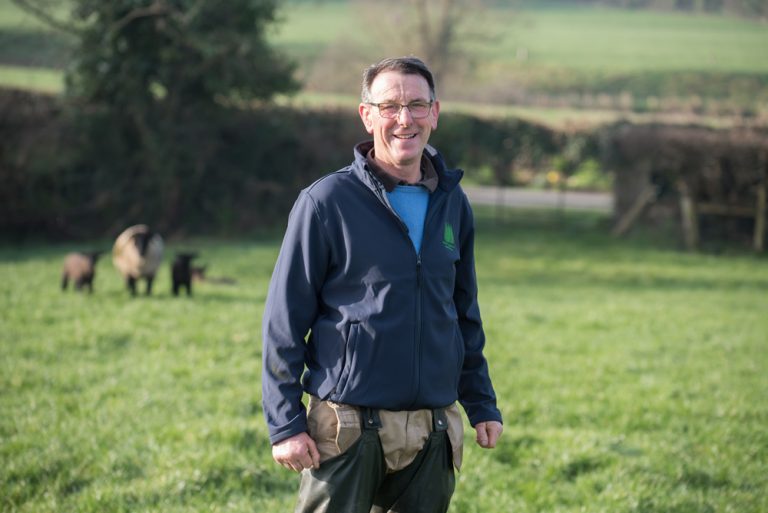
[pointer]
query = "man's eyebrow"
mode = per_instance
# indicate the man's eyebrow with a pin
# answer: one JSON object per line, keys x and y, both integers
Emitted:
{"x": 420, "y": 100}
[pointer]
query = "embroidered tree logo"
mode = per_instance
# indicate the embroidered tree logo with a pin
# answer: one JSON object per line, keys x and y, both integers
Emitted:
{"x": 448, "y": 240}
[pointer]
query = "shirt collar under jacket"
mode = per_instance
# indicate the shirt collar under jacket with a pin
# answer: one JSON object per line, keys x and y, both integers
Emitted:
{"x": 428, "y": 174}
{"x": 447, "y": 179}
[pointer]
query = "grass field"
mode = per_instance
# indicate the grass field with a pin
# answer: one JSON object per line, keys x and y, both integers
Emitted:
{"x": 633, "y": 378}
{"x": 44, "y": 80}
{"x": 549, "y": 48}
{"x": 569, "y": 37}
{"x": 546, "y": 55}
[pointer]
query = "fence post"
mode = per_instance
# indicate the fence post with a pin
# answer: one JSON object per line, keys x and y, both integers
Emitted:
{"x": 760, "y": 218}
{"x": 689, "y": 218}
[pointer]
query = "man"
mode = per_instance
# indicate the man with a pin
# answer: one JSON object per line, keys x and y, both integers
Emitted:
{"x": 372, "y": 311}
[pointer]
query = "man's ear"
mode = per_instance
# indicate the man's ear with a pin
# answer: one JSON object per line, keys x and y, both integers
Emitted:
{"x": 434, "y": 114}
{"x": 366, "y": 114}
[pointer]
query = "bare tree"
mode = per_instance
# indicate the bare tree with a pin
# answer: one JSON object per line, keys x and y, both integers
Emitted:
{"x": 437, "y": 29}
{"x": 441, "y": 32}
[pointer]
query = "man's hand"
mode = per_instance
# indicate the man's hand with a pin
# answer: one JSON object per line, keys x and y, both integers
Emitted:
{"x": 297, "y": 453}
{"x": 488, "y": 433}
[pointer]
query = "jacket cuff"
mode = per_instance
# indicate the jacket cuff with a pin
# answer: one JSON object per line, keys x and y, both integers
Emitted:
{"x": 485, "y": 416}
{"x": 295, "y": 427}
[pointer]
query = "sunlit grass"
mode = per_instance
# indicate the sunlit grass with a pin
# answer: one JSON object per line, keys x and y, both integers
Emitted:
{"x": 632, "y": 377}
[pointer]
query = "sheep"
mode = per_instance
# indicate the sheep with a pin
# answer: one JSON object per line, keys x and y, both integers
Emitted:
{"x": 137, "y": 254}
{"x": 81, "y": 269}
{"x": 181, "y": 272}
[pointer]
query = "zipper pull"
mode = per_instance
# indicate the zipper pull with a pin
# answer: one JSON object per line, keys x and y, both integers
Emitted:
{"x": 418, "y": 270}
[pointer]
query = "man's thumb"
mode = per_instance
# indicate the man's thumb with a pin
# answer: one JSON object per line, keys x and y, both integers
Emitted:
{"x": 482, "y": 435}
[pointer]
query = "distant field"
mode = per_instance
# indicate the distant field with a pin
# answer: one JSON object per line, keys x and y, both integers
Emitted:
{"x": 544, "y": 55}
{"x": 633, "y": 379}
{"x": 600, "y": 39}
{"x": 557, "y": 117}
{"x": 45, "y": 80}
{"x": 557, "y": 51}
{"x": 573, "y": 38}
{"x": 11, "y": 17}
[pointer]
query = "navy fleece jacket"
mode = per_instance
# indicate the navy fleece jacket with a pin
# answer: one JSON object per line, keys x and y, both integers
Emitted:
{"x": 355, "y": 315}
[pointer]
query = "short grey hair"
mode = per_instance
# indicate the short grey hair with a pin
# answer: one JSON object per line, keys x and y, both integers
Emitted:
{"x": 404, "y": 65}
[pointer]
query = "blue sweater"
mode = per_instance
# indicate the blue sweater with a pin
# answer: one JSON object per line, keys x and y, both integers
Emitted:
{"x": 410, "y": 203}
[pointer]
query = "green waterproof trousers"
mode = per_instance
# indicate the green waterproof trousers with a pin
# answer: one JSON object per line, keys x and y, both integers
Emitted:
{"x": 357, "y": 481}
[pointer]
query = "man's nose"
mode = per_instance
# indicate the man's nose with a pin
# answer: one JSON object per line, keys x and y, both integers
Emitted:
{"x": 404, "y": 116}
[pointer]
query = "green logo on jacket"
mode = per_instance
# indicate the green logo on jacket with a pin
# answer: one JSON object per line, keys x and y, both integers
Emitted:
{"x": 448, "y": 239}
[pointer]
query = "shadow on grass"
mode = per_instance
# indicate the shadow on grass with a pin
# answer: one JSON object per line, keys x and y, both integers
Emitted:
{"x": 200, "y": 297}
{"x": 591, "y": 232}
{"x": 513, "y": 450}
{"x": 632, "y": 282}
{"x": 574, "y": 245}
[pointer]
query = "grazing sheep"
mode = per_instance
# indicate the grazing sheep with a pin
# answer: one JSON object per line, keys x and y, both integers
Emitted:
{"x": 181, "y": 272}
{"x": 137, "y": 254}
{"x": 81, "y": 269}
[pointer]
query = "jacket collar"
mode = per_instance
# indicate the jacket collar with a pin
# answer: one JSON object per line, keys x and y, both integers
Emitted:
{"x": 428, "y": 178}
{"x": 448, "y": 179}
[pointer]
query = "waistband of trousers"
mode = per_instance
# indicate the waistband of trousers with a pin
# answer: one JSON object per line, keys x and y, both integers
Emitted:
{"x": 369, "y": 419}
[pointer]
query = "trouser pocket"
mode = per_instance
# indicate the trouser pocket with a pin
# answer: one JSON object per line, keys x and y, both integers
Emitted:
{"x": 334, "y": 427}
{"x": 455, "y": 434}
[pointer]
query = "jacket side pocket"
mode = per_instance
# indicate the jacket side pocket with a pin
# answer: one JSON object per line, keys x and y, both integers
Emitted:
{"x": 349, "y": 354}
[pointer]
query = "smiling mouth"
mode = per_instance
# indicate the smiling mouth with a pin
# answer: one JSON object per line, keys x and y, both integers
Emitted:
{"x": 405, "y": 136}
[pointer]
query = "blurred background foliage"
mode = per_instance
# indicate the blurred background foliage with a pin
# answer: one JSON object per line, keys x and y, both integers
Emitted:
{"x": 200, "y": 116}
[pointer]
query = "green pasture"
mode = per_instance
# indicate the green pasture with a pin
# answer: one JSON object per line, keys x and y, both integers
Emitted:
{"x": 708, "y": 63}
{"x": 610, "y": 40}
{"x": 547, "y": 48}
{"x": 633, "y": 378}
{"x": 557, "y": 117}
{"x": 553, "y": 37}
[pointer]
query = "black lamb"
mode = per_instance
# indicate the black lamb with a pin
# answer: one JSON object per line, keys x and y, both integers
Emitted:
{"x": 181, "y": 272}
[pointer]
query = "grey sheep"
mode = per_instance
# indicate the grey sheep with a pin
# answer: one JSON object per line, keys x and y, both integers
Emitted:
{"x": 81, "y": 269}
{"x": 137, "y": 254}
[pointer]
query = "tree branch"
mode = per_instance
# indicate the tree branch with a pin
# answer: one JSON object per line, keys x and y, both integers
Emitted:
{"x": 155, "y": 9}
{"x": 192, "y": 13}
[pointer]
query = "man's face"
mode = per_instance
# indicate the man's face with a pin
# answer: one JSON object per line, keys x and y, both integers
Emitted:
{"x": 399, "y": 141}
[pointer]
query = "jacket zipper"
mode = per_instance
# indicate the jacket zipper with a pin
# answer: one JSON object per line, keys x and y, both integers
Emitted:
{"x": 434, "y": 203}
{"x": 417, "y": 348}
{"x": 380, "y": 195}
{"x": 432, "y": 207}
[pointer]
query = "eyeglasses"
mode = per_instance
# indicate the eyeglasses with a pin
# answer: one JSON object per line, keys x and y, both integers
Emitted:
{"x": 391, "y": 110}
